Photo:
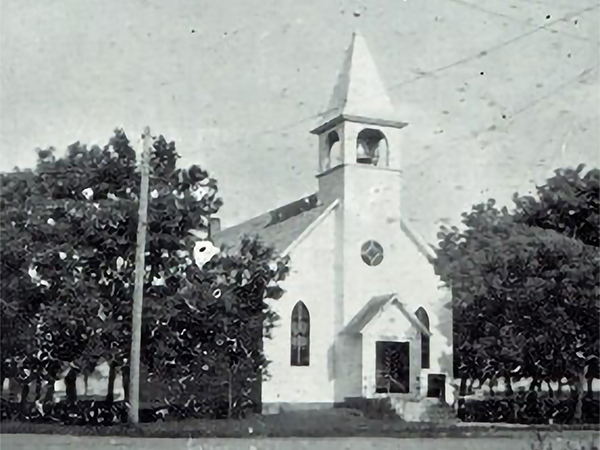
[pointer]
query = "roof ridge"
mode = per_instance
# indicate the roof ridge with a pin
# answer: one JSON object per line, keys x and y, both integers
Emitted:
{"x": 285, "y": 212}
{"x": 278, "y": 228}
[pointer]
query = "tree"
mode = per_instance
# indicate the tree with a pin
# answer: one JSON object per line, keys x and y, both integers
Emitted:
{"x": 208, "y": 347}
{"x": 68, "y": 258}
{"x": 568, "y": 203}
{"x": 73, "y": 222}
{"x": 525, "y": 284}
{"x": 21, "y": 294}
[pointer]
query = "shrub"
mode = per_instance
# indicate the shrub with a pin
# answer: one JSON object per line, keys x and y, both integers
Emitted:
{"x": 529, "y": 408}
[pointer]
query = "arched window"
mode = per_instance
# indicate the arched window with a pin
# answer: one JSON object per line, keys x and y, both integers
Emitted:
{"x": 424, "y": 319}
{"x": 300, "y": 339}
{"x": 371, "y": 146}
{"x": 333, "y": 155}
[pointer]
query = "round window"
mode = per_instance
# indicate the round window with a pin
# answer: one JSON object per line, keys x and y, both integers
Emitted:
{"x": 372, "y": 253}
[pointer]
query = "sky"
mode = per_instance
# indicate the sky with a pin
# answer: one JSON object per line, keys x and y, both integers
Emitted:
{"x": 497, "y": 93}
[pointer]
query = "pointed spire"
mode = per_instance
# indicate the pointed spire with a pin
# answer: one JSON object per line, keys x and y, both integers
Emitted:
{"x": 359, "y": 90}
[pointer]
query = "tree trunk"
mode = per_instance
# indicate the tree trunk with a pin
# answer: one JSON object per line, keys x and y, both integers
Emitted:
{"x": 470, "y": 388}
{"x": 535, "y": 384}
{"x": 71, "y": 385}
{"x": 13, "y": 389}
{"x": 550, "y": 391}
{"x": 462, "y": 390}
{"x": 508, "y": 387}
{"x": 49, "y": 396}
{"x": 560, "y": 388}
{"x": 493, "y": 383}
{"x": 2, "y": 378}
{"x": 480, "y": 383}
{"x": 125, "y": 376}
{"x": 229, "y": 394}
{"x": 38, "y": 389}
{"x": 579, "y": 405}
{"x": 513, "y": 402}
{"x": 590, "y": 383}
{"x": 112, "y": 374}
{"x": 258, "y": 392}
{"x": 85, "y": 384}
{"x": 24, "y": 392}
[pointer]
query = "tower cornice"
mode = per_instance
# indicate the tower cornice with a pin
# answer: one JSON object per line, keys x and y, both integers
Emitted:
{"x": 358, "y": 119}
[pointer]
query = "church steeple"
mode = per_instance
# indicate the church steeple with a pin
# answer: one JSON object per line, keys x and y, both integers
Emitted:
{"x": 359, "y": 90}
{"x": 359, "y": 126}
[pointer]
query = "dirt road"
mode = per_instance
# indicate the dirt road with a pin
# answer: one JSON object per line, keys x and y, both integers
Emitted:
{"x": 570, "y": 440}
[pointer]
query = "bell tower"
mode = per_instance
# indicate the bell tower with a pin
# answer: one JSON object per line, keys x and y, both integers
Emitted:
{"x": 359, "y": 164}
{"x": 359, "y": 125}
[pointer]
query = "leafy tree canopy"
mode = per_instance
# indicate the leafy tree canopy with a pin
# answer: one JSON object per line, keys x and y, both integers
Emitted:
{"x": 68, "y": 253}
{"x": 525, "y": 283}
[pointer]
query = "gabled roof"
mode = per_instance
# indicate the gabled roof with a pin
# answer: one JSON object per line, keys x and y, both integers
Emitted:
{"x": 282, "y": 226}
{"x": 359, "y": 90}
{"x": 425, "y": 249}
{"x": 374, "y": 307}
{"x": 278, "y": 228}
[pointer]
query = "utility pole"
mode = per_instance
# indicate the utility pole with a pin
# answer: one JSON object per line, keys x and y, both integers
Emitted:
{"x": 138, "y": 292}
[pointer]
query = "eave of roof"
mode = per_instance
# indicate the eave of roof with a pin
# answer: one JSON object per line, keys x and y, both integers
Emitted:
{"x": 425, "y": 249}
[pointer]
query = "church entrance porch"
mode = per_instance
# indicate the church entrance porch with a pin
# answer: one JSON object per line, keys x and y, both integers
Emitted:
{"x": 386, "y": 339}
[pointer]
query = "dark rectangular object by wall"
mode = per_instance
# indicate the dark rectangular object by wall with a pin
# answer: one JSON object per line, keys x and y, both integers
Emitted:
{"x": 436, "y": 386}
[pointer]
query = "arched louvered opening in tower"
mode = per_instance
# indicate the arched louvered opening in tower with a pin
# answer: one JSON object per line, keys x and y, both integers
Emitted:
{"x": 371, "y": 147}
{"x": 333, "y": 151}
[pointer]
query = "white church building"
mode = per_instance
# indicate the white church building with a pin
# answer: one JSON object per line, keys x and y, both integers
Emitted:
{"x": 363, "y": 314}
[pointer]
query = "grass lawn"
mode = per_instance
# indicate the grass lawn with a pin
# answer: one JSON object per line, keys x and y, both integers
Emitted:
{"x": 327, "y": 423}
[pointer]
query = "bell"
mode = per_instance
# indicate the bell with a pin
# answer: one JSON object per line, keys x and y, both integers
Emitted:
{"x": 362, "y": 153}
